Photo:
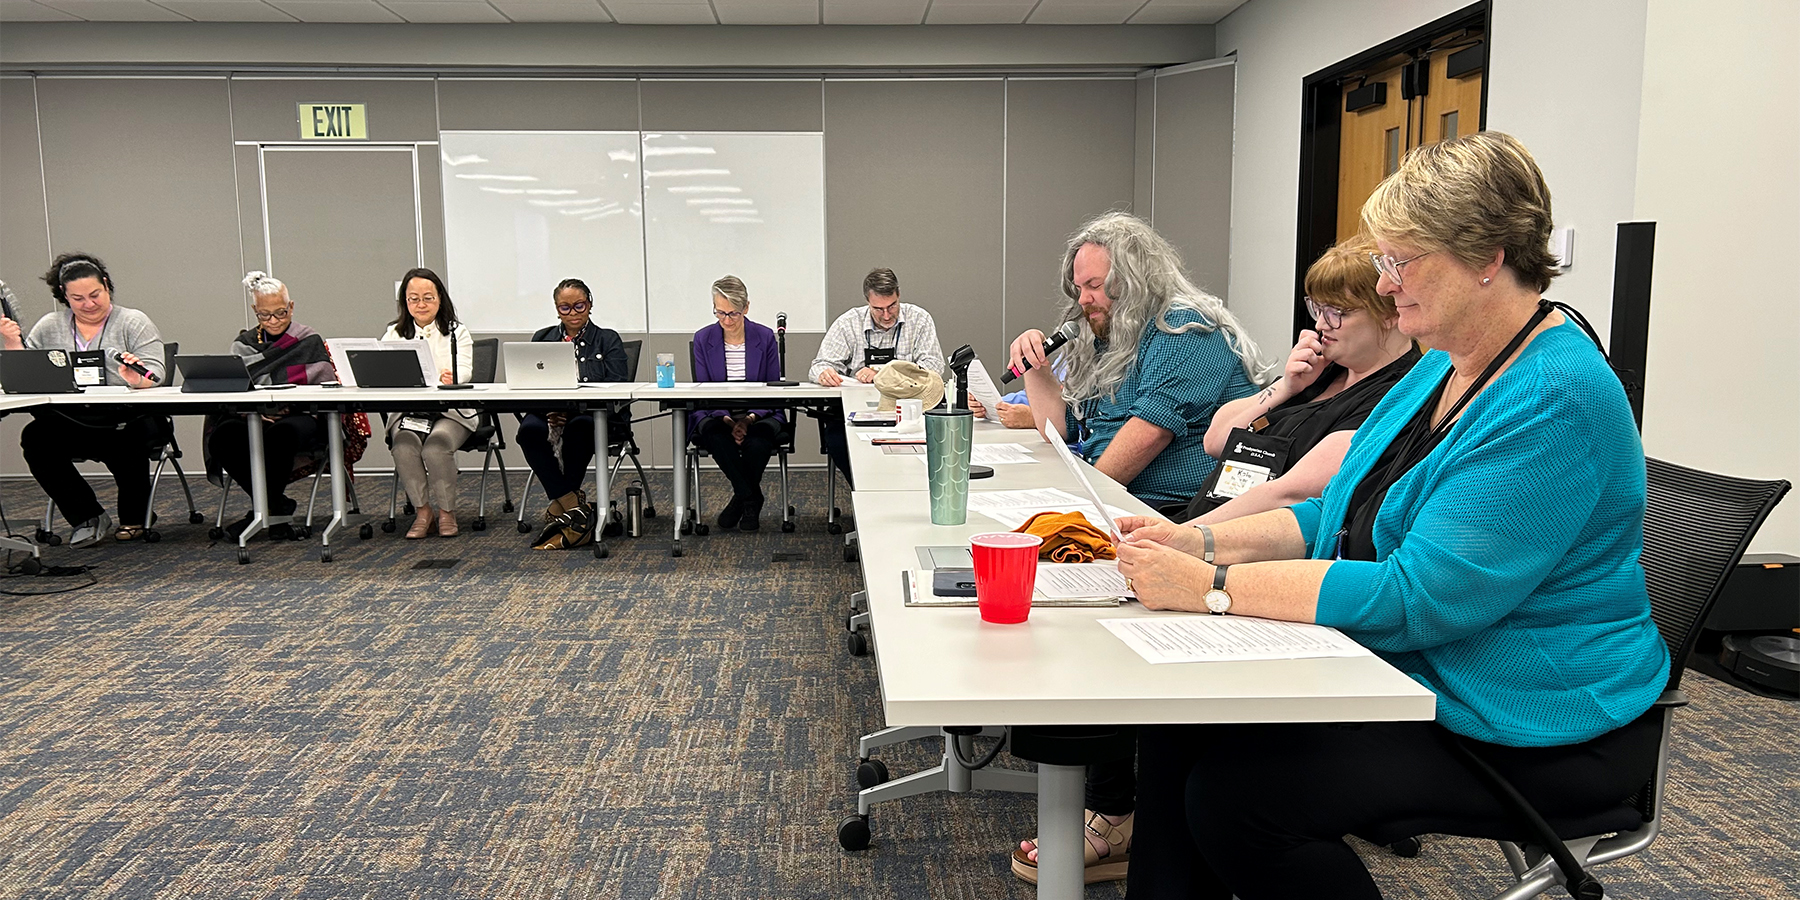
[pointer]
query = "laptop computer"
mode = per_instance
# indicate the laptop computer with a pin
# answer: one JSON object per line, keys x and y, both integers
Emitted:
{"x": 212, "y": 373}
{"x": 37, "y": 372}
{"x": 541, "y": 364}
{"x": 386, "y": 369}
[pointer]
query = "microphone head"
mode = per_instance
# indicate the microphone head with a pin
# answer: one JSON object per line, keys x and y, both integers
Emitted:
{"x": 781, "y": 321}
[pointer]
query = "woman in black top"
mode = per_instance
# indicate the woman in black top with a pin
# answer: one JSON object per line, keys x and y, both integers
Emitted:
{"x": 1302, "y": 424}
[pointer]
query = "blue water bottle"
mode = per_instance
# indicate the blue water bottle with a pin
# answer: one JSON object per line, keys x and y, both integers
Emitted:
{"x": 665, "y": 370}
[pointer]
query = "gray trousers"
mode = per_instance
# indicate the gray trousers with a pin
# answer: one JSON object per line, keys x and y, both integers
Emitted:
{"x": 427, "y": 466}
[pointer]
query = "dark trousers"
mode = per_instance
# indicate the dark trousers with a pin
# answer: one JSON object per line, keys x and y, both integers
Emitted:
{"x": 837, "y": 445}
{"x": 51, "y": 442}
{"x": 1112, "y": 787}
{"x": 560, "y": 477}
{"x": 743, "y": 464}
{"x": 1260, "y": 811}
{"x": 283, "y": 439}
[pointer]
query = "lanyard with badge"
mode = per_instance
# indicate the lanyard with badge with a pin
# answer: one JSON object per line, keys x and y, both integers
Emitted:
{"x": 89, "y": 364}
{"x": 420, "y": 423}
{"x": 1250, "y": 458}
{"x": 874, "y": 356}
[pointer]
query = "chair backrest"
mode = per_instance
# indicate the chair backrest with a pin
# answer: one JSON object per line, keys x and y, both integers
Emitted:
{"x": 171, "y": 374}
{"x": 693, "y": 362}
{"x": 1696, "y": 527}
{"x": 487, "y": 359}
{"x": 633, "y": 350}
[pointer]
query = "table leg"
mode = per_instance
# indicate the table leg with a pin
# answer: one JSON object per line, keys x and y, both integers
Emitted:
{"x": 340, "y": 500}
{"x": 678, "y": 428}
{"x": 259, "y": 486}
{"x": 1060, "y": 799}
{"x": 602, "y": 485}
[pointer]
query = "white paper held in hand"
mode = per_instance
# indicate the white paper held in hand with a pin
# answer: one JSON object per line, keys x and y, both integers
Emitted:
{"x": 984, "y": 390}
{"x": 1068, "y": 458}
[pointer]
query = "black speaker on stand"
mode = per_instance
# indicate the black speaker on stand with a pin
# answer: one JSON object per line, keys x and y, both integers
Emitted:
{"x": 1633, "y": 257}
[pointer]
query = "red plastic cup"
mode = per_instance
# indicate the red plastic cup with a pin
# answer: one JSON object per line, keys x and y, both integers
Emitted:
{"x": 1005, "y": 574}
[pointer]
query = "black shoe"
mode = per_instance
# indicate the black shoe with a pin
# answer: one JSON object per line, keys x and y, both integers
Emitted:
{"x": 282, "y": 532}
{"x": 752, "y": 520}
{"x": 234, "y": 529}
{"x": 733, "y": 511}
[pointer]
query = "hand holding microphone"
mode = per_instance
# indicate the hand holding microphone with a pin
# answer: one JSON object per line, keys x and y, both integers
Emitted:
{"x": 137, "y": 367}
{"x": 1032, "y": 349}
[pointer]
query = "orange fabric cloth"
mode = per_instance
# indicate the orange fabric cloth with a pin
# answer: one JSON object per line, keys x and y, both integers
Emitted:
{"x": 1068, "y": 538}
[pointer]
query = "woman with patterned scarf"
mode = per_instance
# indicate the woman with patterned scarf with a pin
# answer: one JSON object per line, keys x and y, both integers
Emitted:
{"x": 278, "y": 351}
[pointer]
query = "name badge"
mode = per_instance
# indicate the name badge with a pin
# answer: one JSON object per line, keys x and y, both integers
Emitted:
{"x": 874, "y": 357}
{"x": 419, "y": 424}
{"x": 90, "y": 366}
{"x": 1249, "y": 459}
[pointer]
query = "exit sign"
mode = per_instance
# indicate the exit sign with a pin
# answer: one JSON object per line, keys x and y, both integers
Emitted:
{"x": 334, "y": 122}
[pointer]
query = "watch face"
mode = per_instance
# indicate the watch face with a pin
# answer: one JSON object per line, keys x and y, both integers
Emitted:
{"x": 1218, "y": 601}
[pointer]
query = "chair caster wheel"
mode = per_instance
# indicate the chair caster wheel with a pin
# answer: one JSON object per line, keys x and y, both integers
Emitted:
{"x": 649, "y": 512}
{"x": 702, "y": 529}
{"x": 243, "y": 556}
{"x": 30, "y": 566}
{"x": 480, "y": 523}
{"x": 787, "y": 528}
{"x": 853, "y": 833}
{"x": 524, "y": 528}
{"x": 871, "y": 773}
{"x": 675, "y": 552}
{"x": 151, "y": 535}
{"x": 834, "y": 528}
{"x": 792, "y": 512}
{"x": 387, "y": 527}
{"x": 601, "y": 551}
{"x": 325, "y": 556}
{"x": 687, "y": 527}
{"x": 48, "y": 538}
{"x": 215, "y": 534}
{"x": 302, "y": 532}
{"x": 195, "y": 518}
{"x": 366, "y": 532}
{"x": 1406, "y": 848}
{"x": 507, "y": 507}
{"x": 856, "y": 643}
{"x": 850, "y": 553}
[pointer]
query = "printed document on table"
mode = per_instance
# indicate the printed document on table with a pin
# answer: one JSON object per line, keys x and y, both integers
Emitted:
{"x": 1100, "y": 578}
{"x": 1012, "y": 508}
{"x": 1204, "y": 638}
{"x": 1000, "y": 455}
{"x": 916, "y": 587}
{"x": 984, "y": 390}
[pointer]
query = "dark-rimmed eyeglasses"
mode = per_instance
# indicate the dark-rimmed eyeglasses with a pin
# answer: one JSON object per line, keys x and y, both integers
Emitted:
{"x": 579, "y": 306}
{"x": 727, "y": 314}
{"x": 1389, "y": 266}
{"x": 1331, "y": 316}
{"x": 275, "y": 316}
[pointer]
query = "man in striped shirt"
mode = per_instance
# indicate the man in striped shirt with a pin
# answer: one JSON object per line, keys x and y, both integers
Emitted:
{"x": 866, "y": 338}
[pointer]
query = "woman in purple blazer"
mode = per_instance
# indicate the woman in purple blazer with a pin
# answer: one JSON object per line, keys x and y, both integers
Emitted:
{"x": 736, "y": 349}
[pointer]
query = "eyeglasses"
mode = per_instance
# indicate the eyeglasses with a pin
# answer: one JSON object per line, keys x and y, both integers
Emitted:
{"x": 1330, "y": 315}
{"x": 275, "y": 316}
{"x": 727, "y": 314}
{"x": 421, "y": 301}
{"x": 1389, "y": 266}
{"x": 577, "y": 307}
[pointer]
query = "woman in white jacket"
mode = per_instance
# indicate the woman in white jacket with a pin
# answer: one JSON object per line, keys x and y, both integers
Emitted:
{"x": 425, "y": 443}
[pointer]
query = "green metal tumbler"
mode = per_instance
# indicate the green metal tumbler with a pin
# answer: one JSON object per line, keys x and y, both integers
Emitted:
{"x": 949, "y": 440}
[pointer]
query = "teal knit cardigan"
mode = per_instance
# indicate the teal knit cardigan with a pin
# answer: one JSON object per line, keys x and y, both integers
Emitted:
{"x": 1507, "y": 578}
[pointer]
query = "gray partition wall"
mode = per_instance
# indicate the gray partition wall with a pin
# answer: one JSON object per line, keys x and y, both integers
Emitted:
{"x": 967, "y": 187}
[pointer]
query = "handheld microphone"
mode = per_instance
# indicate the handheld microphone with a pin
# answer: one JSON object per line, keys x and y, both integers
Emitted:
{"x": 781, "y": 353}
{"x": 8, "y": 303}
{"x": 1062, "y": 336}
{"x": 136, "y": 367}
{"x": 959, "y": 367}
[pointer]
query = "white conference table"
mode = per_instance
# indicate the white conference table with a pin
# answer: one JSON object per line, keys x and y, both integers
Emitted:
{"x": 880, "y": 471}
{"x": 945, "y": 667}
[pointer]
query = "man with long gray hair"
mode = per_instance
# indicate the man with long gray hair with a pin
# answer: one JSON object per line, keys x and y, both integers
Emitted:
{"x": 1153, "y": 358}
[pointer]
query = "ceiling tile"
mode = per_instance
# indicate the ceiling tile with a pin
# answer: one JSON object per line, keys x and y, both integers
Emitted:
{"x": 552, "y": 10}
{"x": 875, "y": 12}
{"x": 335, "y": 10}
{"x": 1184, "y": 12}
{"x": 767, "y": 12}
{"x": 657, "y": 12}
{"x": 115, "y": 10}
{"x": 226, "y": 10}
{"x": 978, "y": 12}
{"x": 1084, "y": 12}
{"x": 27, "y": 11}
{"x": 439, "y": 11}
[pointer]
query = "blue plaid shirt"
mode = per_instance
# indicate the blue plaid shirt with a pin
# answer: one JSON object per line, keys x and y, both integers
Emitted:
{"x": 1179, "y": 381}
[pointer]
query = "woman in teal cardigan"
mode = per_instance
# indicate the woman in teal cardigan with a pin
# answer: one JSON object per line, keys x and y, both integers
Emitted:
{"x": 1482, "y": 535}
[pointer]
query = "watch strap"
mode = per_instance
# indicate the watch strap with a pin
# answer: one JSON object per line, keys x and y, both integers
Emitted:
{"x": 1206, "y": 541}
{"x": 1219, "y": 578}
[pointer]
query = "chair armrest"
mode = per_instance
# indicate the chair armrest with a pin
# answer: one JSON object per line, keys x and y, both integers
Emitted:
{"x": 1671, "y": 699}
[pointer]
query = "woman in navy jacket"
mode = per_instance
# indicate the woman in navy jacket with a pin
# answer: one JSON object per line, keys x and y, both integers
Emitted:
{"x": 736, "y": 349}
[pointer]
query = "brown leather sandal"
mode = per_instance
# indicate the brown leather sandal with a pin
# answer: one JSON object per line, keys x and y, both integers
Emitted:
{"x": 1096, "y": 868}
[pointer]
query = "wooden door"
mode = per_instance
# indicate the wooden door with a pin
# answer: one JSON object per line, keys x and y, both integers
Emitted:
{"x": 1372, "y": 142}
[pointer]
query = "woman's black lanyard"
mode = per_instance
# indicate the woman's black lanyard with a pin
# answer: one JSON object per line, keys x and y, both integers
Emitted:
{"x": 1404, "y": 459}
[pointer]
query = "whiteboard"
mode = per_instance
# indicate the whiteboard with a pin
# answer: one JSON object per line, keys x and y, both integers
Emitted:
{"x": 524, "y": 210}
{"x": 750, "y": 204}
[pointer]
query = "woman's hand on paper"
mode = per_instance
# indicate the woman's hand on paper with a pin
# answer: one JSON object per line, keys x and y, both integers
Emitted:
{"x": 1157, "y": 530}
{"x": 1163, "y": 577}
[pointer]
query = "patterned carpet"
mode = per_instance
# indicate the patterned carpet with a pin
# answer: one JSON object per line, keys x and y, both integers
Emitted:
{"x": 539, "y": 725}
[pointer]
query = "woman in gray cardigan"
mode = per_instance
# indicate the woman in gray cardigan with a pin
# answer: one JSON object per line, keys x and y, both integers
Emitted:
{"x": 101, "y": 339}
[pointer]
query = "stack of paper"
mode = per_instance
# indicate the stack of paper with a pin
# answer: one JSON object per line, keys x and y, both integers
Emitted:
{"x": 1013, "y": 508}
{"x": 916, "y": 584}
{"x": 1000, "y": 454}
{"x": 1204, "y": 638}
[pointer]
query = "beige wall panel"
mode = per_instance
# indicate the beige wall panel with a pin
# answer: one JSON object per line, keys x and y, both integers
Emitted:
{"x": 24, "y": 247}
{"x": 537, "y": 104}
{"x": 913, "y": 181}
{"x": 1069, "y": 154}
{"x": 398, "y": 109}
{"x": 731, "y": 105}
{"x": 1193, "y": 171}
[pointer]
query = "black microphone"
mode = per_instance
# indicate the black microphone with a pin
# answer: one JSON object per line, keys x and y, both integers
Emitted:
{"x": 1061, "y": 336}
{"x": 781, "y": 352}
{"x": 136, "y": 367}
{"x": 8, "y": 303}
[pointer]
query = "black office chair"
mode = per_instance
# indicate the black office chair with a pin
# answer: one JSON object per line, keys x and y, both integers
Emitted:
{"x": 486, "y": 439}
{"x": 1696, "y": 528}
{"x": 784, "y": 449}
{"x": 164, "y": 450}
{"x": 621, "y": 443}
